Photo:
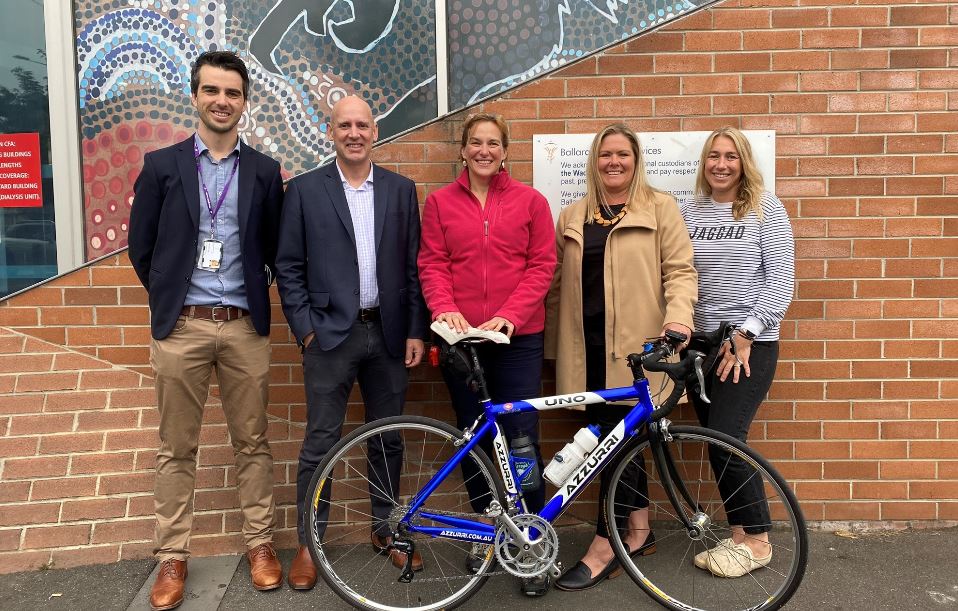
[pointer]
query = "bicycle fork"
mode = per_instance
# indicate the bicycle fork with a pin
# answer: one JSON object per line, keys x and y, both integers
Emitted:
{"x": 698, "y": 523}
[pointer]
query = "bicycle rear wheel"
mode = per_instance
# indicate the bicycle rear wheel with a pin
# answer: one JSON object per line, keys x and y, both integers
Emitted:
{"x": 364, "y": 485}
{"x": 703, "y": 460}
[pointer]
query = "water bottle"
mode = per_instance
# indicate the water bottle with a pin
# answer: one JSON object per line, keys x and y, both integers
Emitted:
{"x": 572, "y": 455}
{"x": 525, "y": 463}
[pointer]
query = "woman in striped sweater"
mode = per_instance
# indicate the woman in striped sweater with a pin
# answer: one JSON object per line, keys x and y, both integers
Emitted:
{"x": 745, "y": 258}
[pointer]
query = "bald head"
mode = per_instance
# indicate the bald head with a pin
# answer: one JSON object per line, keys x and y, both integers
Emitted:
{"x": 350, "y": 105}
{"x": 353, "y": 132}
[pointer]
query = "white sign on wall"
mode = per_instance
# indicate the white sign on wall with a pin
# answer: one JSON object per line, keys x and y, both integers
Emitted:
{"x": 671, "y": 161}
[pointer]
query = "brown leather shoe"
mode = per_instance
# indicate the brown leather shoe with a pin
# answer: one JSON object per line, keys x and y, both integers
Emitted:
{"x": 381, "y": 545}
{"x": 302, "y": 573}
{"x": 167, "y": 591}
{"x": 264, "y": 568}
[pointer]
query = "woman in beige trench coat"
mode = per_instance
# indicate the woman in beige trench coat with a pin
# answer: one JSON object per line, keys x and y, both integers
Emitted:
{"x": 624, "y": 274}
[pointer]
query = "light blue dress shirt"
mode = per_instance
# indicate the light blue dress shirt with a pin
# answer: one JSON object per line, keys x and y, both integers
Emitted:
{"x": 227, "y": 286}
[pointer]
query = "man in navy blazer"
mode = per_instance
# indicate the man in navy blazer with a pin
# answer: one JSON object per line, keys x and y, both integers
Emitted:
{"x": 347, "y": 275}
{"x": 203, "y": 234}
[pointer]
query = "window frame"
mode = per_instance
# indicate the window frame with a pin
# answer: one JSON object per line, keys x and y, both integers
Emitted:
{"x": 64, "y": 134}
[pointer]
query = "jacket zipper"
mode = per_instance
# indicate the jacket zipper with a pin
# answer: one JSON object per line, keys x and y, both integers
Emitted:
{"x": 611, "y": 265}
{"x": 485, "y": 234}
{"x": 483, "y": 213}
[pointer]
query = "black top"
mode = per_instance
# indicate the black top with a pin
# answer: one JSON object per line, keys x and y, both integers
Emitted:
{"x": 593, "y": 277}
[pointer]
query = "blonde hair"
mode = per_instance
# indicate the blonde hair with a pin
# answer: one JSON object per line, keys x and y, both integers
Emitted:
{"x": 750, "y": 186}
{"x": 641, "y": 193}
{"x": 482, "y": 117}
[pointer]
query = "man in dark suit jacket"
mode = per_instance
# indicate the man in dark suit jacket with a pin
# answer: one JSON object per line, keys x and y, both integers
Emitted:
{"x": 347, "y": 277}
{"x": 203, "y": 233}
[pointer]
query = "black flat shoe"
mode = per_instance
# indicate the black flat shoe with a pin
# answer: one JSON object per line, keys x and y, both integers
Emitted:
{"x": 580, "y": 577}
{"x": 646, "y": 548}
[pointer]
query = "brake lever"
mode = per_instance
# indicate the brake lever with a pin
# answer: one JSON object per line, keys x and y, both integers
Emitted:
{"x": 697, "y": 359}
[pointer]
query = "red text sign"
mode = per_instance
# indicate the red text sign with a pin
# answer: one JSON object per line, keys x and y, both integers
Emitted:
{"x": 20, "y": 184}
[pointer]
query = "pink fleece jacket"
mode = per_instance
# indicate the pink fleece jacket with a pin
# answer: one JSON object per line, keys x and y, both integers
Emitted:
{"x": 483, "y": 262}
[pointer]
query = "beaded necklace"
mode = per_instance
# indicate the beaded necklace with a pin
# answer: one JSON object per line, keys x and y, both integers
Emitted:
{"x": 600, "y": 219}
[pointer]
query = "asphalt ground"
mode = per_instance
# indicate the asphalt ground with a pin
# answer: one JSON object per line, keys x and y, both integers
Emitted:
{"x": 912, "y": 569}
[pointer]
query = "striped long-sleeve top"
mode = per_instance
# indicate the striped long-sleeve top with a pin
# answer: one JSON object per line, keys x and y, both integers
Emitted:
{"x": 746, "y": 268}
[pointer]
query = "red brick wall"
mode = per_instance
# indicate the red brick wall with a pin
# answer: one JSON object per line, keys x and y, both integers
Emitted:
{"x": 863, "y": 417}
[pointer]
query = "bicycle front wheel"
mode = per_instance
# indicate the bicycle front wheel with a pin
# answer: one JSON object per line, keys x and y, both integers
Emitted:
{"x": 721, "y": 483}
{"x": 364, "y": 486}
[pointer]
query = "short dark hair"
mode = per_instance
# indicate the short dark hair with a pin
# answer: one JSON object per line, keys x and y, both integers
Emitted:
{"x": 225, "y": 60}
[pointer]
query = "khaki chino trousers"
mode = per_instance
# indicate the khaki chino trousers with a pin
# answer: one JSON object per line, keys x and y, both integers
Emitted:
{"x": 183, "y": 363}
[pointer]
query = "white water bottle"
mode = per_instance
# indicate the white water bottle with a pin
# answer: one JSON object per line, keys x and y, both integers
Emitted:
{"x": 568, "y": 459}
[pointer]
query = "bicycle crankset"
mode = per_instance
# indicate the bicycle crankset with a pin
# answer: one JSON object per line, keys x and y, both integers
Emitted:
{"x": 526, "y": 545}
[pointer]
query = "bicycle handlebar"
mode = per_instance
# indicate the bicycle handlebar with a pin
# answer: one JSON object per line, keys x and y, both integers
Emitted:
{"x": 654, "y": 360}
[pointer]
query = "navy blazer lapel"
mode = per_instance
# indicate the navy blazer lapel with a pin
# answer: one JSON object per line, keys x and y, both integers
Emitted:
{"x": 380, "y": 201}
{"x": 186, "y": 163}
{"x": 334, "y": 187}
{"x": 244, "y": 184}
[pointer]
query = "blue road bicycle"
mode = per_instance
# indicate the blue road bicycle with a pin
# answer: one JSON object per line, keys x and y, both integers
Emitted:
{"x": 403, "y": 478}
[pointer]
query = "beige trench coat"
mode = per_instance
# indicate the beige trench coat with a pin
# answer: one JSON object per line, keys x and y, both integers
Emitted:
{"x": 649, "y": 281}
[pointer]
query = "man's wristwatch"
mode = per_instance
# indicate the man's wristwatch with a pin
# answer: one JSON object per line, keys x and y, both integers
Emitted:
{"x": 746, "y": 334}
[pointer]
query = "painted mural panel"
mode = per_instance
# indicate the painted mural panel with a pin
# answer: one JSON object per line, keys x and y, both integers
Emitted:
{"x": 134, "y": 58}
{"x": 497, "y": 44}
{"x": 133, "y": 69}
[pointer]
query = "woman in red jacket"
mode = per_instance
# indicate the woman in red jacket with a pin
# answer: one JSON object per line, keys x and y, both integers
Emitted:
{"x": 486, "y": 261}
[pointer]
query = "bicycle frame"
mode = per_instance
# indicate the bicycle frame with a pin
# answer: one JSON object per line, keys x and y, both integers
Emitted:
{"x": 604, "y": 453}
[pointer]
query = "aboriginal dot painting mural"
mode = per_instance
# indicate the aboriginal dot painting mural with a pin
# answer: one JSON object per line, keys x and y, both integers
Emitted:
{"x": 497, "y": 44}
{"x": 134, "y": 58}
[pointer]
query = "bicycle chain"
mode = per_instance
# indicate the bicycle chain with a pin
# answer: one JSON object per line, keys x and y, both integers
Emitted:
{"x": 431, "y": 579}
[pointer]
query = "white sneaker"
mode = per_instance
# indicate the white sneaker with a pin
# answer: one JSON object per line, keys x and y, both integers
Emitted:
{"x": 737, "y": 561}
{"x": 702, "y": 558}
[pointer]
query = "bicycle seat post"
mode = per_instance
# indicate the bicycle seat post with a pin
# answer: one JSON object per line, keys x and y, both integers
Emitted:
{"x": 478, "y": 377}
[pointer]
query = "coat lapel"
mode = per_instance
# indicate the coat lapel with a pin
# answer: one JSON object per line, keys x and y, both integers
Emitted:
{"x": 186, "y": 163}
{"x": 380, "y": 200}
{"x": 245, "y": 182}
{"x": 643, "y": 217}
{"x": 334, "y": 187}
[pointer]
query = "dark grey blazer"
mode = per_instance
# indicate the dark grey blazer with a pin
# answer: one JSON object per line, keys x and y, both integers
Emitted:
{"x": 317, "y": 267}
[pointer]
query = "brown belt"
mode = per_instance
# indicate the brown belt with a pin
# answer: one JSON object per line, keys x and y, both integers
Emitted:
{"x": 368, "y": 314}
{"x": 214, "y": 313}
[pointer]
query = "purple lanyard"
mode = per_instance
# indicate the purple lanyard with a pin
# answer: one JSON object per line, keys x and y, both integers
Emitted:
{"x": 209, "y": 202}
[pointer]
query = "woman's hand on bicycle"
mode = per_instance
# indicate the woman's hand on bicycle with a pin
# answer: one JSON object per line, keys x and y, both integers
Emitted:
{"x": 734, "y": 362}
{"x": 498, "y": 323}
{"x": 454, "y": 320}
{"x": 678, "y": 328}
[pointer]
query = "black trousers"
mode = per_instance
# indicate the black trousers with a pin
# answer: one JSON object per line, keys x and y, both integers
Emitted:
{"x": 732, "y": 410}
{"x": 513, "y": 372}
{"x": 633, "y": 492}
{"x": 329, "y": 377}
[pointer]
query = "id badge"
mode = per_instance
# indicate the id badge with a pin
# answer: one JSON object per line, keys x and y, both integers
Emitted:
{"x": 211, "y": 255}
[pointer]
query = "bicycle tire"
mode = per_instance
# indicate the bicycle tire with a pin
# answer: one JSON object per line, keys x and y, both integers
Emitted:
{"x": 347, "y": 561}
{"x": 671, "y": 578}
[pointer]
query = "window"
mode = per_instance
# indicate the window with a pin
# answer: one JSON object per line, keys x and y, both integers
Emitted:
{"x": 28, "y": 244}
